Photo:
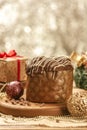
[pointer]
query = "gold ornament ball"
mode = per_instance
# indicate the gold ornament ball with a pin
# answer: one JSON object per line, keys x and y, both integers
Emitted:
{"x": 77, "y": 103}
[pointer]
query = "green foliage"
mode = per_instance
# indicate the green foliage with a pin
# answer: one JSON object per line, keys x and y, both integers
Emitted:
{"x": 80, "y": 77}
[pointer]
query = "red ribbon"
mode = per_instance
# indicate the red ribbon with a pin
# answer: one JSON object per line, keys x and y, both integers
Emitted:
{"x": 18, "y": 69}
{"x": 13, "y": 54}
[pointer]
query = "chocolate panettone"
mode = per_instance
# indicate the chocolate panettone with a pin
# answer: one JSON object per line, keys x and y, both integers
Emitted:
{"x": 49, "y": 79}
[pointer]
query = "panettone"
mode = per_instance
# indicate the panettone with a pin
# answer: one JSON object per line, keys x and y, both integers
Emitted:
{"x": 50, "y": 80}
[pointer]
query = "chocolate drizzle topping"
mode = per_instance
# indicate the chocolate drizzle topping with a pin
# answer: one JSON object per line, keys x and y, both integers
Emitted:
{"x": 41, "y": 64}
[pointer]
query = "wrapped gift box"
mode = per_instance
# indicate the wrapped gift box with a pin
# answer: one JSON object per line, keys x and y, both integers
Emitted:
{"x": 12, "y": 68}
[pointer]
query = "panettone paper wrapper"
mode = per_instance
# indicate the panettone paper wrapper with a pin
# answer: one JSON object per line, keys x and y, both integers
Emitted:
{"x": 50, "y": 87}
{"x": 12, "y": 69}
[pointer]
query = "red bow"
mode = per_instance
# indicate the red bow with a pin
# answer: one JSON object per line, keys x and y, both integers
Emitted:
{"x": 9, "y": 54}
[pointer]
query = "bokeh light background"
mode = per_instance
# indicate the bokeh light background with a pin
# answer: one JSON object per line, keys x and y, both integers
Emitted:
{"x": 43, "y": 27}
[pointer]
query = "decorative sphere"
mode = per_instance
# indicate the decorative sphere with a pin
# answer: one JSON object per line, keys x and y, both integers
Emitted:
{"x": 14, "y": 89}
{"x": 77, "y": 103}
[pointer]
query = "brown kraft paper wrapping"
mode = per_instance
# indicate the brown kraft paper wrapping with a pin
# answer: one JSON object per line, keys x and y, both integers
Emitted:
{"x": 12, "y": 69}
